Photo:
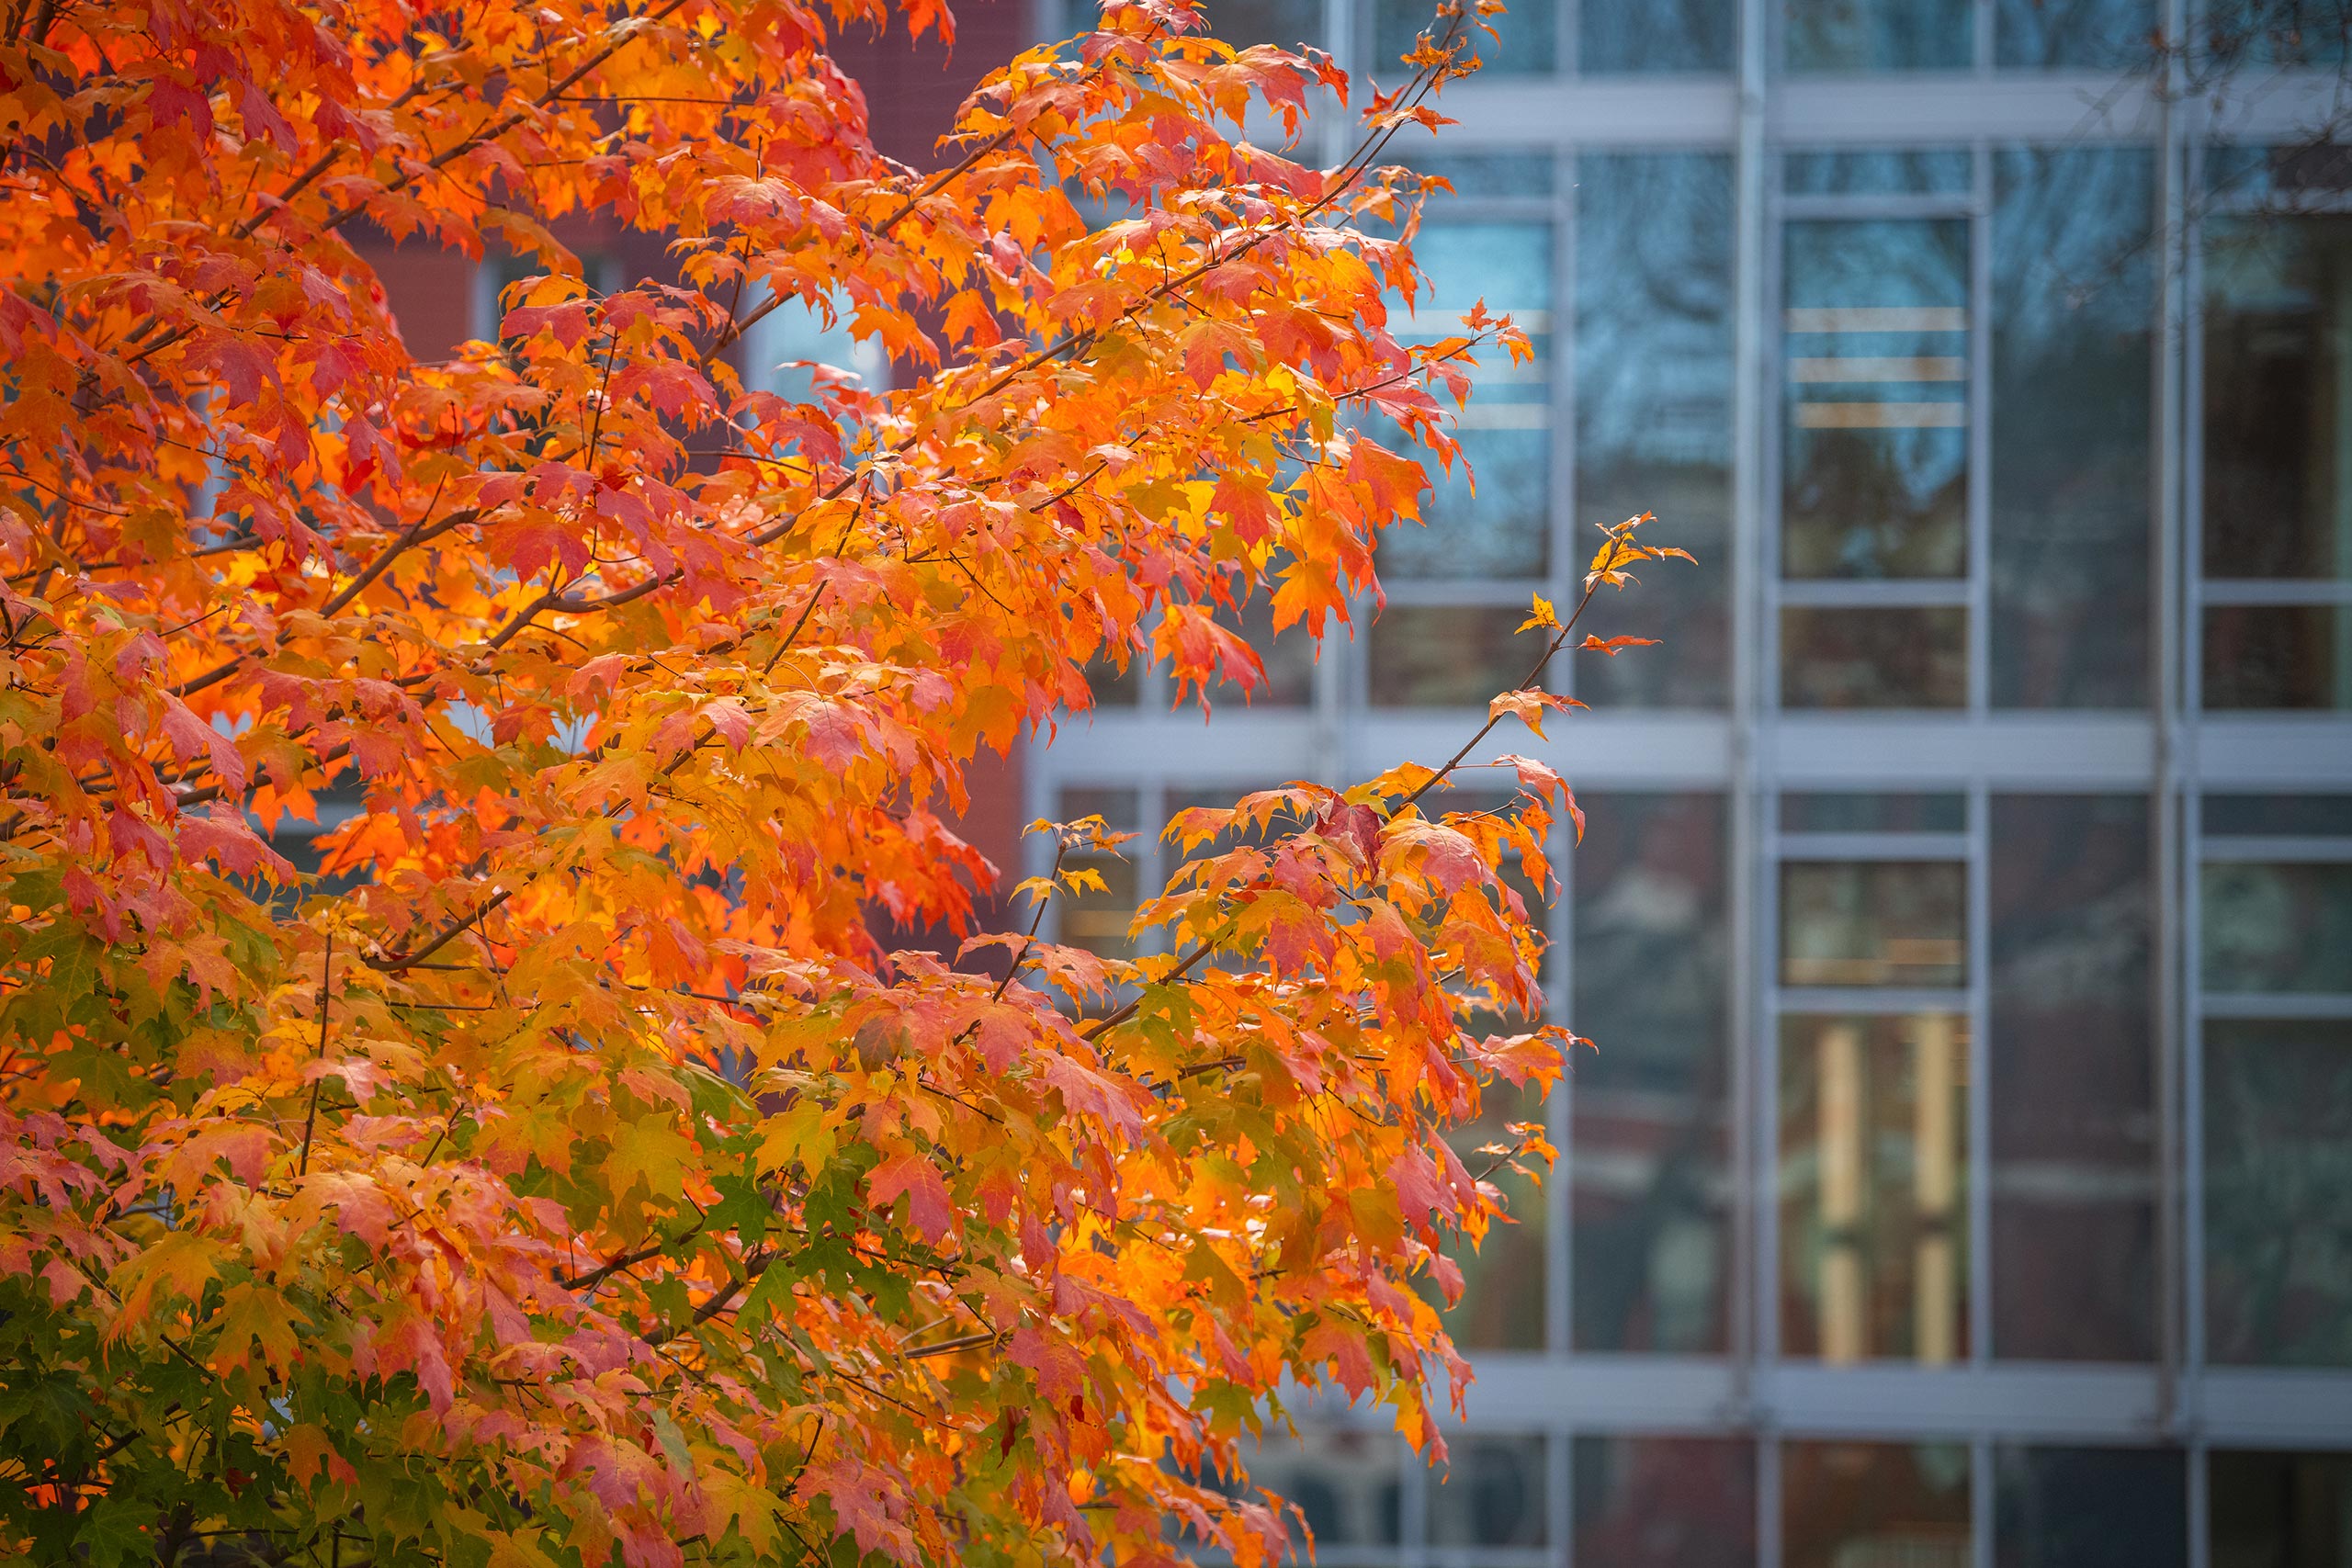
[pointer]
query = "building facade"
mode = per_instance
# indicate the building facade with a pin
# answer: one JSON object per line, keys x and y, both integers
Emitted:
{"x": 1962, "y": 1178}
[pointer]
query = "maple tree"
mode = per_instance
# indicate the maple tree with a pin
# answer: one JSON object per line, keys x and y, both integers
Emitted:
{"x": 566, "y": 1172}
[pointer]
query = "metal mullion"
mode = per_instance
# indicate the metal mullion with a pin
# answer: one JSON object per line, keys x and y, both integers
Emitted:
{"x": 2191, "y": 1283}
{"x": 2197, "y": 1456}
{"x": 2241, "y": 847}
{"x": 1980, "y": 1501}
{"x": 1869, "y": 1001}
{"x": 2167, "y": 577}
{"x": 2291, "y": 1006}
{"x": 2280, "y": 591}
{"x": 2185, "y": 673}
{"x": 1979, "y": 1058}
{"x": 1980, "y": 432}
{"x": 1887, "y": 593}
{"x": 1980, "y": 40}
{"x": 1769, "y": 1507}
{"x": 1561, "y": 521}
{"x": 1559, "y": 1116}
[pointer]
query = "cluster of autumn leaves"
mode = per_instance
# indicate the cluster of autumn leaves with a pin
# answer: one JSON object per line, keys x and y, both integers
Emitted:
{"x": 561, "y": 1169}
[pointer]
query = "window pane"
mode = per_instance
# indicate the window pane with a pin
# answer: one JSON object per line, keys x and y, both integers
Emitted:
{"x": 2277, "y": 656}
{"x": 2278, "y": 397}
{"x": 2280, "y": 1510}
{"x": 1873, "y": 923}
{"x": 1344, "y": 1479}
{"x": 2090, "y": 1508}
{"x": 1618, "y": 37}
{"x": 1653, "y": 394}
{"x": 1651, "y": 1134}
{"x": 2099, "y": 35}
{"x": 1665, "y": 1502}
{"x": 1947, "y": 170}
{"x": 1448, "y": 655}
{"x": 2071, "y": 300}
{"x": 1491, "y": 1494}
{"x": 1527, "y": 43}
{"x": 1874, "y": 658}
{"x": 1098, "y": 921}
{"x": 1503, "y": 1281}
{"x": 1874, "y": 1505}
{"x": 1245, "y": 22}
{"x": 1500, "y": 526}
{"x": 2297, "y": 816}
{"x": 1874, "y": 812}
{"x": 2273, "y": 927}
{"x": 2073, "y": 1168}
{"x": 1880, "y": 35}
{"x": 2278, "y": 1192}
{"x": 1874, "y": 1177}
{"x": 1289, "y": 660}
{"x": 1875, "y": 473}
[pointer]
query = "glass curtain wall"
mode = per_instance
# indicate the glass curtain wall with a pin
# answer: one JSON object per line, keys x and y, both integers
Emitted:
{"x": 1963, "y": 1176}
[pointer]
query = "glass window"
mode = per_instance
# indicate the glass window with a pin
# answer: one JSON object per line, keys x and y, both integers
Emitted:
{"x": 1873, "y": 812}
{"x": 1448, "y": 655}
{"x": 1880, "y": 35}
{"x": 1503, "y": 1279}
{"x": 1493, "y": 517}
{"x": 2278, "y": 657}
{"x": 1527, "y": 44}
{"x": 1873, "y": 923}
{"x": 1628, "y": 37}
{"x": 1875, "y": 474}
{"x": 2277, "y": 397}
{"x": 1098, "y": 921}
{"x": 1654, "y": 395}
{"x": 1873, "y": 1176}
{"x": 2280, "y": 1510}
{"x": 2072, "y": 377}
{"x": 2090, "y": 1508}
{"x": 1289, "y": 660}
{"x": 2098, "y": 35}
{"x": 2072, "y": 1116}
{"x": 782, "y": 346}
{"x": 1665, "y": 1502}
{"x": 1345, "y": 1480}
{"x": 1649, "y": 1146}
{"x": 1874, "y": 1505}
{"x": 1492, "y": 1492}
{"x": 1874, "y": 658}
{"x": 2278, "y": 1194}
{"x": 2270, "y": 927}
{"x": 2272, "y": 816}
{"x": 1242, "y": 23}
{"x": 1949, "y": 171}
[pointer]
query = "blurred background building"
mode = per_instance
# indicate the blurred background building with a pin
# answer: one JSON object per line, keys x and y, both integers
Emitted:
{"x": 1964, "y": 1175}
{"x": 1963, "y": 1178}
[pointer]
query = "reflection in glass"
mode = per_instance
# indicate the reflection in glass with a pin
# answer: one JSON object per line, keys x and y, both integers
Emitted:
{"x": 1875, "y": 473}
{"x": 1874, "y": 1505}
{"x": 1098, "y": 921}
{"x": 2278, "y": 397}
{"x": 2094, "y": 35}
{"x": 2073, "y": 295}
{"x": 1880, "y": 35}
{"x": 2090, "y": 1508}
{"x": 1503, "y": 1281}
{"x": 1874, "y": 658}
{"x": 1948, "y": 171}
{"x": 1873, "y": 1169}
{"x": 1654, "y": 395}
{"x": 1527, "y": 46}
{"x": 1448, "y": 655}
{"x": 1651, "y": 1136}
{"x": 2274, "y": 928}
{"x": 1655, "y": 36}
{"x": 1495, "y": 519}
{"x": 2270, "y": 1509}
{"x": 2278, "y": 1192}
{"x": 1875, "y": 811}
{"x": 2278, "y": 657}
{"x": 1873, "y": 923}
{"x": 2073, "y": 1155}
{"x": 1345, "y": 1480}
{"x": 1242, "y": 23}
{"x": 1491, "y": 1494}
{"x": 1665, "y": 1502}
{"x": 2270, "y": 816}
